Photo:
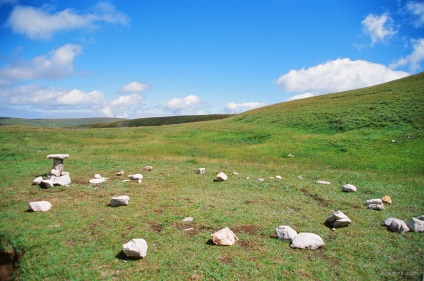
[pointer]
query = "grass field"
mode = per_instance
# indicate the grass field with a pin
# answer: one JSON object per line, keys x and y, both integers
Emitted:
{"x": 372, "y": 138}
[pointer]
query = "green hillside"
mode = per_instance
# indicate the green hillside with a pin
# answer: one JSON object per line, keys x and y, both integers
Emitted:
{"x": 55, "y": 123}
{"x": 372, "y": 138}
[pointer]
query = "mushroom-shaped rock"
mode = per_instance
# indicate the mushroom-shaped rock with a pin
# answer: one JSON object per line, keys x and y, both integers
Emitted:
{"x": 396, "y": 225}
{"x": 136, "y": 176}
{"x": 416, "y": 224}
{"x": 62, "y": 180}
{"x": 337, "y": 219}
{"x": 46, "y": 183}
{"x": 285, "y": 232}
{"x": 148, "y": 168}
{"x": 386, "y": 199}
{"x": 57, "y": 156}
{"x": 40, "y": 206}
{"x": 119, "y": 201}
{"x": 221, "y": 177}
{"x": 224, "y": 237}
{"x": 349, "y": 188}
{"x": 37, "y": 180}
{"x": 323, "y": 182}
{"x": 201, "y": 171}
{"x": 306, "y": 240}
{"x": 135, "y": 248}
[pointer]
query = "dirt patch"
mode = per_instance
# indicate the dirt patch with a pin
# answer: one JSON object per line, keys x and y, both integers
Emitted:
{"x": 320, "y": 201}
{"x": 246, "y": 229}
{"x": 9, "y": 263}
{"x": 155, "y": 227}
{"x": 226, "y": 260}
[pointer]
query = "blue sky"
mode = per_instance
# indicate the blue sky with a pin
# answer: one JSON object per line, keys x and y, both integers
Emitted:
{"x": 134, "y": 59}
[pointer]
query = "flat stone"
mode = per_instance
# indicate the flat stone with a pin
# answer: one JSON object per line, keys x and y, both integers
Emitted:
{"x": 119, "y": 201}
{"x": 377, "y": 207}
{"x": 62, "y": 180}
{"x": 188, "y": 219}
{"x": 323, "y": 182}
{"x": 37, "y": 180}
{"x": 308, "y": 241}
{"x": 374, "y": 201}
{"x": 349, "y": 188}
{"x": 120, "y": 173}
{"x": 97, "y": 181}
{"x": 135, "y": 248}
{"x": 57, "y": 156}
{"x": 40, "y": 206}
{"x": 136, "y": 176}
{"x": 285, "y": 232}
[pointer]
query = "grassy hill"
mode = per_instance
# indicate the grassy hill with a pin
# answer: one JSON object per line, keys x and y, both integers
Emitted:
{"x": 372, "y": 138}
{"x": 55, "y": 123}
{"x": 158, "y": 121}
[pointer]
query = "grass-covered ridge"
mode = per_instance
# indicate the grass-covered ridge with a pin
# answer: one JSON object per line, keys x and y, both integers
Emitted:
{"x": 55, "y": 123}
{"x": 82, "y": 237}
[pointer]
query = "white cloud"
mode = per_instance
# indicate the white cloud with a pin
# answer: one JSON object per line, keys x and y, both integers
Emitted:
{"x": 123, "y": 107}
{"x": 134, "y": 87}
{"x": 301, "y": 96}
{"x": 57, "y": 64}
{"x": 337, "y": 75}
{"x": 417, "y": 10}
{"x": 177, "y": 105}
{"x": 413, "y": 60}
{"x": 379, "y": 28}
{"x": 232, "y": 107}
{"x": 41, "y": 23}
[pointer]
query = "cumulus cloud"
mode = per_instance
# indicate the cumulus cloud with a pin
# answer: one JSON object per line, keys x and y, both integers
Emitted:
{"x": 233, "y": 108}
{"x": 123, "y": 107}
{"x": 337, "y": 75}
{"x": 57, "y": 64}
{"x": 134, "y": 87}
{"x": 301, "y": 96}
{"x": 41, "y": 23}
{"x": 414, "y": 59}
{"x": 379, "y": 28}
{"x": 188, "y": 104}
{"x": 417, "y": 10}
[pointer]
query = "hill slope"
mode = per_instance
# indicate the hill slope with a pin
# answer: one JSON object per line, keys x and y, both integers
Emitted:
{"x": 55, "y": 123}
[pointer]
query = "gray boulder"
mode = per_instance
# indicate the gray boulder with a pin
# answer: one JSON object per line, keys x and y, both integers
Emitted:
{"x": 306, "y": 240}
{"x": 377, "y": 207}
{"x": 416, "y": 224}
{"x": 338, "y": 219}
{"x": 349, "y": 188}
{"x": 135, "y": 248}
{"x": 40, "y": 206}
{"x": 62, "y": 180}
{"x": 396, "y": 225}
{"x": 285, "y": 232}
{"x": 119, "y": 201}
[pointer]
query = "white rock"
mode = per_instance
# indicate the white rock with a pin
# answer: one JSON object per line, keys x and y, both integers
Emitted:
{"x": 396, "y": 225}
{"x": 148, "y": 168}
{"x": 62, "y": 180}
{"x": 136, "y": 176}
{"x": 260, "y": 180}
{"x": 139, "y": 181}
{"x": 374, "y": 201}
{"x": 40, "y": 206}
{"x": 247, "y": 178}
{"x": 279, "y": 177}
{"x": 55, "y": 172}
{"x": 97, "y": 176}
{"x": 271, "y": 178}
{"x": 224, "y": 237}
{"x": 221, "y": 177}
{"x": 377, "y": 207}
{"x": 97, "y": 181}
{"x": 290, "y": 155}
{"x": 285, "y": 232}
{"x": 188, "y": 219}
{"x": 135, "y": 248}
{"x": 119, "y": 201}
{"x": 349, "y": 188}
{"x": 306, "y": 240}
{"x": 338, "y": 219}
{"x": 201, "y": 171}
{"x": 120, "y": 173}
{"x": 235, "y": 173}
{"x": 46, "y": 184}
{"x": 323, "y": 182}
{"x": 300, "y": 177}
{"x": 37, "y": 181}
{"x": 65, "y": 173}
{"x": 416, "y": 224}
